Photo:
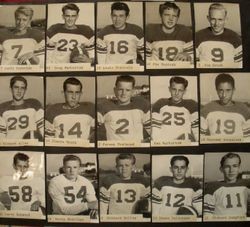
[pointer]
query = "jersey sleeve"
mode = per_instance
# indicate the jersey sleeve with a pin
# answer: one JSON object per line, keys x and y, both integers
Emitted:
{"x": 104, "y": 198}
{"x": 197, "y": 198}
{"x": 101, "y": 47}
{"x": 195, "y": 122}
{"x": 157, "y": 198}
{"x": 209, "y": 201}
{"x": 204, "y": 129}
{"x": 157, "y": 119}
{"x": 50, "y": 130}
{"x": 3, "y": 127}
{"x": 40, "y": 191}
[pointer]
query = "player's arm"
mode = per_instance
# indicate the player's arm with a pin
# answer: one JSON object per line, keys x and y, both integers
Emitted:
{"x": 156, "y": 200}
{"x": 204, "y": 127}
{"x": 40, "y": 120}
{"x": 1, "y": 53}
{"x": 104, "y": 198}
{"x": 147, "y": 125}
{"x": 90, "y": 47}
{"x": 209, "y": 202}
{"x": 102, "y": 50}
{"x": 50, "y": 50}
{"x": 92, "y": 200}
{"x": 197, "y": 201}
{"x": 195, "y": 125}
{"x": 156, "y": 123}
{"x": 5, "y": 201}
{"x": 3, "y": 128}
{"x": 39, "y": 194}
{"x": 140, "y": 47}
{"x": 101, "y": 131}
{"x": 148, "y": 50}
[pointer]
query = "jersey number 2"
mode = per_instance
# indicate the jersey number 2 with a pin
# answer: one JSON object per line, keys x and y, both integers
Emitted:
{"x": 22, "y": 122}
{"x": 179, "y": 198}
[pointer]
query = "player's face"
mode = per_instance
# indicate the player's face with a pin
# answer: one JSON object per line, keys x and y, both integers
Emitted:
{"x": 169, "y": 18}
{"x": 72, "y": 95}
{"x": 119, "y": 19}
{"x": 18, "y": 90}
{"x": 70, "y": 17}
{"x": 231, "y": 169}
{"x": 177, "y": 91}
{"x": 21, "y": 166}
{"x": 22, "y": 22}
{"x": 125, "y": 168}
{"x": 225, "y": 92}
{"x": 71, "y": 169}
{"x": 179, "y": 170}
{"x": 123, "y": 92}
{"x": 217, "y": 19}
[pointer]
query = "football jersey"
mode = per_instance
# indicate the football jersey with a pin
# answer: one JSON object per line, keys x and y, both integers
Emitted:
{"x": 168, "y": 197}
{"x": 17, "y": 120}
{"x": 24, "y": 192}
{"x": 226, "y": 47}
{"x": 119, "y": 46}
{"x": 226, "y": 121}
{"x": 61, "y": 42}
{"x": 119, "y": 196}
{"x": 163, "y": 46}
{"x": 223, "y": 198}
{"x": 61, "y": 122}
{"x": 172, "y": 121}
{"x": 70, "y": 197}
{"x": 13, "y": 46}
{"x": 124, "y": 122}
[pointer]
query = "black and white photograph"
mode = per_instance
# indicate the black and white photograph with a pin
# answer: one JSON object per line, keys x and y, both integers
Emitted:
{"x": 22, "y": 38}
{"x": 21, "y": 111}
{"x": 218, "y": 40}
{"x": 71, "y": 37}
{"x": 169, "y": 38}
{"x": 123, "y": 111}
{"x": 175, "y": 118}
{"x": 225, "y": 109}
{"x": 124, "y": 187}
{"x": 120, "y": 36}
{"x": 227, "y": 187}
{"x": 72, "y": 188}
{"x": 177, "y": 186}
{"x": 22, "y": 185}
{"x": 70, "y": 112}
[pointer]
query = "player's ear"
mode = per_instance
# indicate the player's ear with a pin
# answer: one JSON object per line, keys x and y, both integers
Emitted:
{"x": 208, "y": 18}
{"x": 170, "y": 168}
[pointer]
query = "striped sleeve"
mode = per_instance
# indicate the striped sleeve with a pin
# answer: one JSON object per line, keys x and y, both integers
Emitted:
{"x": 197, "y": 201}
{"x": 104, "y": 200}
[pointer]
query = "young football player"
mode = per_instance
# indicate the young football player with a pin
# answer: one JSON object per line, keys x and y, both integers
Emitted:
{"x": 21, "y": 118}
{"x": 22, "y": 45}
{"x": 71, "y": 193}
{"x": 62, "y": 39}
{"x": 169, "y": 41}
{"x": 26, "y": 191}
{"x": 217, "y": 43}
{"x": 119, "y": 193}
{"x": 172, "y": 193}
{"x": 121, "y": 42}
{"x": 230, "y": 196}
{"x": 175, "y": 118}
{"x": 126, "y": 117}
{"x": 72, "y": 119}
{"x": 225, "y": 117}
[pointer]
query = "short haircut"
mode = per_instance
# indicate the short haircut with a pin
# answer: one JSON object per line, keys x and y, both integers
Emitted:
{"x": 217, "y": 6}
{"x": 73, "y": 81}
{"x": 178, "y": 80}
{"x": 71, "y": 157}
{"x": 224, "y": 78}
{"x": 125, "y": 78}
{"x": 70, "y": 6}
{"x": 229, "y": 155}
{"x": 18, "y": 78}
{"x": 125, "y": 156}
{"x": 21, "y": 157}
{"x": 179, "y": 158}
{"x": 25, "y": 10}
{"x": 120, "y": 6}
{"x": 169, "y": 5}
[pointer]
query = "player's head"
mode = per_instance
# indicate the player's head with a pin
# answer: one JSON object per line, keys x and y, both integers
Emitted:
{"x": 169, "y": 13}
{"x": 217, "y": 15}
{"x": 18, "y": 86}
{"x": 125, "y": 163}
{"x": 177, "y": 88}
{"x": 71, "y": 166}
{"x": 225, "y": 86}
{"x": 124, "y": 89}
{"x": 23, "y": 17}
{"x": 119, "y": 14}
{"x": 230, "y": 167}
{"x": 72, "y": 89}
{"x": 21, "y": 163}
{"x": 179, "y": 167}
{"x": 70, "y": 14}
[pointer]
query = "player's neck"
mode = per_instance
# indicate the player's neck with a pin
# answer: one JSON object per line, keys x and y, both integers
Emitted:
{"x": 17, "y": 102}
{"x": 176, "y": 181}
{"x": 123, "y": 103}
{"x": 231, "y": 103}
{"x": 67, "y": 107}
{"x": 70, "y": 27}
{"x": 20, "y": 32}
{"x": 230, "y": 181}
{"x": 167, "y": 30}
{"x": 218, "y": 33}
{"x": 121, "y": 28}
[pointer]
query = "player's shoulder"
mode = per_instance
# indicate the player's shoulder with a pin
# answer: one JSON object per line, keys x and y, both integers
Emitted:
{"x": 153, "y": 28}
{"x": 5, "y": 106}
{"x": 55, "y": 27}
{"x": 141, "y": 103}
{"x": 210, "y": 107}
{"x": 160, "y": 103}
{"x": 109, "y": 180}
{"x": 108, "y": 29}
{"x": 192, "y": 183}
{"x": 183, "y": 28}
{"x": 35, "y": 33}
{"x": 162, "y": 181}
{"x": 34, "y": 103}
{"x": 57, "y": 180}
{"x": 5, "y": 34}
{"x": 230, "y": 33}
{"x": 105, "y": 105}
{"x": 83, "y": 180}
{"x": 203, "y": 32}
{"x": 145, "y": 181}
{"x": 87, "y": 30}
{"x": 190, "y": 105}
{"x": 135, "y": 30}
{"x": 53, "y": 110}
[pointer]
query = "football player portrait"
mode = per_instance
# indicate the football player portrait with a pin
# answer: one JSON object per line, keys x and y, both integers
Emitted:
{"x": 229, "y": 196}
{"x": 72, "y": 119}
{"x": 176, "y": 194}
{"x": 21, "y": 118}
{"x": 218, "y": 44}
{"x": 168, "y": 40}
{"x": 225, "y": 118}
{"x": 121, "y": 42}
{"x": 70, "y": 42}
{"x": 126, "y": 115}
{"x": 175, "y": 118}
{"x": 22, "y": 44}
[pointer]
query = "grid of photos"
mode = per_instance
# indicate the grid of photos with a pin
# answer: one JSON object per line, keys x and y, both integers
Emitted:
{"x": 124, "y": 112}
